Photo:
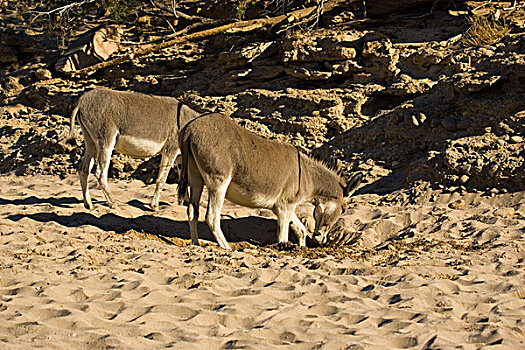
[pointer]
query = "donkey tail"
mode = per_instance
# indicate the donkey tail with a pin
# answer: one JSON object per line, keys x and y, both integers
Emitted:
{"x": 185, "y": 150}
{"x": 71, "y": 134}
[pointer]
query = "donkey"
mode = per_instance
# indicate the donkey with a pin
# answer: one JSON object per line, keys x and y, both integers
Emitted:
{"x": 135, "y": 124}
{"x": 249, "y": 170}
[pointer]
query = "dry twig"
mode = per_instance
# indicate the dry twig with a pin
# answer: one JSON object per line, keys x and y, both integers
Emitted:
{"x": 236, "y": 27}
{"x": 60, "y": 10}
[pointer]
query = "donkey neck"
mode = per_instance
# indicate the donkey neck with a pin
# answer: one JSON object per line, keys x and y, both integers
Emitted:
{"x": 319, "y": 181}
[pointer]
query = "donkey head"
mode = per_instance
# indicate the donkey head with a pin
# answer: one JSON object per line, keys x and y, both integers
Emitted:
{"x": 328, "y": 210}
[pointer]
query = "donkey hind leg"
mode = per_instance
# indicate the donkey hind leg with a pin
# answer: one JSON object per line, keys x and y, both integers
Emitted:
{"x": 104, "y": 158}
{"x": 300, "y": 230}
{"x": 85, "y": 167}
{"x": 216, "y": 193}
{"x": 284, "y": 216}
{"x": 166, "y": 162}
{"x": 196, "y": 185}
{"x": 178, "y": 169}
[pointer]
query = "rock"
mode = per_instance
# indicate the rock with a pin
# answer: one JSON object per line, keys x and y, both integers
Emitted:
{"x": 265, "y": 72}
{"x": 464, "y": 124}
{"x": 464, "y": 179}
{"x": 434, "y": 123}
{"x": 43, "y": 74}
{"x": 305, "y": 74}
{"x": 15, "y": 45}
{"x": 426, "y": 58}
{"x": 344, "y": 68}
{"x": 330, "y": 19}
{"x": 8, "y": 55}
{"x": 504, "y": 212}
{"x": 322, "y": 48}
{"x": 381, "y": 58}
{"x": 449, "y": 124}
{"x": 415, "y": 121}
{"x": 409, "y": 86}
{"x": 516, "y": 139}
{"x": 13, "y": 111}
{"x": 467, "y": 83}
{"x": 91, "y": 48}
{"x": 485, "y": 51}
{"x": 364, "y": 166}
{"x": 459, "y": 204}
{"x": 505, "y": 128}
{"x": 11, "y": 86}
{"x": 243, "y": 56}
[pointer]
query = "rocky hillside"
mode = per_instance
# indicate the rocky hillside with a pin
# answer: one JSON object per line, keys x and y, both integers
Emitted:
{"x": 422, "y": 95}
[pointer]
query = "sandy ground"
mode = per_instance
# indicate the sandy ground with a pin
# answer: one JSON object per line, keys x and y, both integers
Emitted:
{"x": 436, "y": 271}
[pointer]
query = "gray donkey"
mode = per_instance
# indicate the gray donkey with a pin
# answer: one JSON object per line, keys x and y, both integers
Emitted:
{"x": 134, "y": 124}
{"x": 249, "y": 170}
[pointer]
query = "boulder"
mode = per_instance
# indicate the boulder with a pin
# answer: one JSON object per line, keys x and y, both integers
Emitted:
{"x": 91, "y": 48}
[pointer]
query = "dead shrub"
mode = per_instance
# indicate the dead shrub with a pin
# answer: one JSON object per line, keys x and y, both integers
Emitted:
{"x": 485, "y": 30}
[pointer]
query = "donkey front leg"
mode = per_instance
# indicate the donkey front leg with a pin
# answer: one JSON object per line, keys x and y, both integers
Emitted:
{"x": 284, "y": 216}
{"x": 300, "y": 230}
{"x": 216, "y": 193}
{"x": 166, "y": 162}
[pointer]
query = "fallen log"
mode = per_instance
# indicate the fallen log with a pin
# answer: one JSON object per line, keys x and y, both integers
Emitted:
{"x": 236, "y": 27}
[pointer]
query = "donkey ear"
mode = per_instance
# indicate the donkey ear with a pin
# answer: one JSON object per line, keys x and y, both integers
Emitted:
{"x": 352, "y": 184}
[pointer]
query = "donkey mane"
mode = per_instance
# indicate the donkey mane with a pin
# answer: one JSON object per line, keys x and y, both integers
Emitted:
{"x": 329, "y": 164}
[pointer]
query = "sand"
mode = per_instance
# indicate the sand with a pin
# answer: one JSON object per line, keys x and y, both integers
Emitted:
{"x": 430, "y": 271}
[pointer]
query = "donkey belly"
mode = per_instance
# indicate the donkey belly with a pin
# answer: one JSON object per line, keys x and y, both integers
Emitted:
{"x": 138, "y": 147}
{"x": 249, "y": 198}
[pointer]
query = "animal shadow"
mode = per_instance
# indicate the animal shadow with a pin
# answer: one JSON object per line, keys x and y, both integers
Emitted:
{"x": 62, "y": 202}
{"x": 258, "y": 230}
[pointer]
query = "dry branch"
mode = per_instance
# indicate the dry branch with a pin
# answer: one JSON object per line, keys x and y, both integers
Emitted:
{"x": 236, "y": 27}
{"x": 60, "y": 10}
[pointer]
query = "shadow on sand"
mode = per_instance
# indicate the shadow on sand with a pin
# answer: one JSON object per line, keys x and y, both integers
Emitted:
{"x": 57, "y": 202}
{"x": 257, "y": 230}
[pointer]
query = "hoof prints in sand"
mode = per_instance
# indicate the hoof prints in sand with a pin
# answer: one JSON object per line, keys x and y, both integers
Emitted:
{"x": 80, "y": 286}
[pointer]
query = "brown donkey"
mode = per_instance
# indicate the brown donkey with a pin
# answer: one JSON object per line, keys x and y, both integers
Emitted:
{"x": 134, "y": 124}
{"x": 249, "y": 170}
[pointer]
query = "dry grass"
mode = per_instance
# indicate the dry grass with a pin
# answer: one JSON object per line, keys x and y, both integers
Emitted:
{"x": 485, "y": 30}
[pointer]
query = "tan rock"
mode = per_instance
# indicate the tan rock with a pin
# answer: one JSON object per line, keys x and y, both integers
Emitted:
{"x": 43, "y": 74}
{"x": 243, "y": 56}
{"x": 459, "y": 204}
{"x": 464, "y": 179}
{"x": 91, "y": 48}
{"x": 306, "y": 74}
{"x": 504, "y": 212}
